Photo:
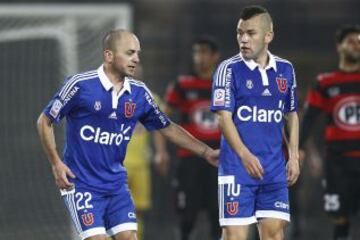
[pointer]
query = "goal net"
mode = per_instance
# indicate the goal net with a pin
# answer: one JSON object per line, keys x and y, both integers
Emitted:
{"x": 40, "y": 45}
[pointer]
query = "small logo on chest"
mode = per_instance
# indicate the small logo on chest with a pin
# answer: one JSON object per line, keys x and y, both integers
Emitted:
{"x": 129, "y": 109}
{"x": 281, "y": 83}
{"x": 266, "y": 92}
{"x": 113, "y": 115}
{"x": 97, "y": 105}
{"x": 249, "y": 84}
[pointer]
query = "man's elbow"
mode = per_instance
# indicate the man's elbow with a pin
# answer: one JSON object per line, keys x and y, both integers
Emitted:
{"x": 42, "y": 121}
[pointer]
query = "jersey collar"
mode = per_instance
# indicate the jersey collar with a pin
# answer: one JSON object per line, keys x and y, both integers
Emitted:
{"x": 106, "y": 82}
{"x": 252, "y": 64}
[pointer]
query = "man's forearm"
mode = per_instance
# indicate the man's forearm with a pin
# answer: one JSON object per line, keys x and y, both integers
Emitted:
{"x": 293, "y": 127}
{"x": 310, "y": 116}
{"x": 159, "y": 142}
{"x": 184, "y": 139}
{"x": 230, "y": 133}
{"x": 47, "y": 138}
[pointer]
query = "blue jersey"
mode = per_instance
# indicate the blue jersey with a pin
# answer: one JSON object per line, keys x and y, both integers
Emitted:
{"x": 100, "y": 123}
{"x": 258, "y": 99}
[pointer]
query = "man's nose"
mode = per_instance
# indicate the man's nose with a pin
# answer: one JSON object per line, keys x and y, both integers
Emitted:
{"x": 244, "y": 38}
{"x": 136, "y": 58}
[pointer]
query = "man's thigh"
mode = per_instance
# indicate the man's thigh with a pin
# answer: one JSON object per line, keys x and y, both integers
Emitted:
{"x": 272, "y": 201}
{"x": 96, "y": 214}
{"x": 236, "y": 202}
{"x": 120, "y": 213}
{"x": 86, "y": 209}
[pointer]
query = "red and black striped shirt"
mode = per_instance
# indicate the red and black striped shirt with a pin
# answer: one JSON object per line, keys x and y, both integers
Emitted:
{"x": 191, "y": 95}
{"x": 336, "y": 94}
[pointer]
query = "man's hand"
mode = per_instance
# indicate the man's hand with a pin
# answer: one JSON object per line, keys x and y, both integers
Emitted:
{"x": 302, "y": 157}
{"x": 60, "y": 172}
{"x": 252, "y": 164}
{"x": 161, "y": 161}
{"x": 212, "y": 156}
{"x": 293, "y": 169}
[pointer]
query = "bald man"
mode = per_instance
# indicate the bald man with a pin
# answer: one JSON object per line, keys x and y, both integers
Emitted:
{"x": 253, "y": 94}
{"x": 102, "y": 108}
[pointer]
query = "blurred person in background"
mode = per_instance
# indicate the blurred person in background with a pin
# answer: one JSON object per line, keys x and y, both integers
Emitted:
{"x": 337, "y": 95}
{"x": 195, "y": 181}
{"x": 139, "y": 156}
{"x": 102, "y": 108}
{"x": 253, "y": 94}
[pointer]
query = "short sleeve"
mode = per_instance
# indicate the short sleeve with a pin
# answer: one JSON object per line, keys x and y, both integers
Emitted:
{"x": 222, "y": 93}
{"x": 315, "y": 97}
{"x": 291, "y": 102}
{"x": 63, "y": 101}
{"x": 153, "y": 118}
{"x": 173, "y": 95}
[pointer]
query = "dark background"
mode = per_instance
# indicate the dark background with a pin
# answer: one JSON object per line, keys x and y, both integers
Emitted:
{"x": 30, "y": 206}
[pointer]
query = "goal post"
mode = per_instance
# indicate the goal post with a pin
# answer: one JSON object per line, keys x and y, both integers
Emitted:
{"x": 40, "y": 45}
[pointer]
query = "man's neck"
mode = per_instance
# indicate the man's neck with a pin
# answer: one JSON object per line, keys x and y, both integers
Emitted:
{"x": 116, "y": 79}
{"x": 263, "y": 59}
{"x": 349, "y": 67}
{"x": 205, "y": 74}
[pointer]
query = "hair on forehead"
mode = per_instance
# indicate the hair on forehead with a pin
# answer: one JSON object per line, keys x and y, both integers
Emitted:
{"x": 252, "y": 11}
{"x": 208, "y": 41}
{"x": 345, "y": 30}
{"x": 255, "y": 10}
{"x": 110, "y": 38}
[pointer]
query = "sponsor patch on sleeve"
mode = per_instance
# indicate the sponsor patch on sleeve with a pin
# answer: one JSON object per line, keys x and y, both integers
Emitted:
{"x": 219, "y": 97}
{"x": 55, "y": 109}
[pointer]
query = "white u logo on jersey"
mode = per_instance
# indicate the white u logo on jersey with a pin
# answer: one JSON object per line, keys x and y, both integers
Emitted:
{"x": 232, "y": 188}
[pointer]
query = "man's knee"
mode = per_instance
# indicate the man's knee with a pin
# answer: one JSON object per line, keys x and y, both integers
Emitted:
{"x": 235, "y": 232}
{"x": 126, "y": 235}
{"x": 272, "y": 229}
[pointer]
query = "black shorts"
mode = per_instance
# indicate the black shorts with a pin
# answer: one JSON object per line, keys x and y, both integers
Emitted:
{"x": 196, "y": 187}
{"x": 342, "y": 185}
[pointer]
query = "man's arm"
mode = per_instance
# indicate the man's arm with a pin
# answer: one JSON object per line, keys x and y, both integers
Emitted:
{"x": 184, "y": 139}
{"x": 161, "y": 158}
{"x": 47, "y": 137}
{"x": 293, "y": 168}
{"x": 228, "y": 128}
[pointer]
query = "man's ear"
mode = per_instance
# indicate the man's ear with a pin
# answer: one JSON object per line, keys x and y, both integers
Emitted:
{"x": 269, "y": 36}
{"x": 108, "y": 55}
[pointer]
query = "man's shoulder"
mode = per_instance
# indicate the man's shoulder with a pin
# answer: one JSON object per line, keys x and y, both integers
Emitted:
{"x": 324, "y": 76}
{"x": 138, "y": 86}
{"x": 186, "y": 78}
{"x": 283, "y": 61}
{"x": 229, "y": 62}
{"x": 325, "y": 79}
{"x": 80, "y": 77}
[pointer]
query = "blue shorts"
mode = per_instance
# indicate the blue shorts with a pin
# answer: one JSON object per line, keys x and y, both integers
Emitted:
{"x": 241, "y": 204}
{"x": 100, "y": 214}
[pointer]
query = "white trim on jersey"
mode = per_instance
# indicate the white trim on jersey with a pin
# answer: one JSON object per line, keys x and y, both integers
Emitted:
{"x": 264, "y": 77}
{"x": 74, "y": 79}
{"x": 221, "y": 200}
{"x": 272, "y": 214}
{"x": 141, "y": 84}
{"x": 130, "y": 226}
{"x": 237, "y": 221}
{"x": 282, "y": 60}
{"x": 221, "y": 71}
{"x": 70, "y": 204}
{"x": 92, "y": 232}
